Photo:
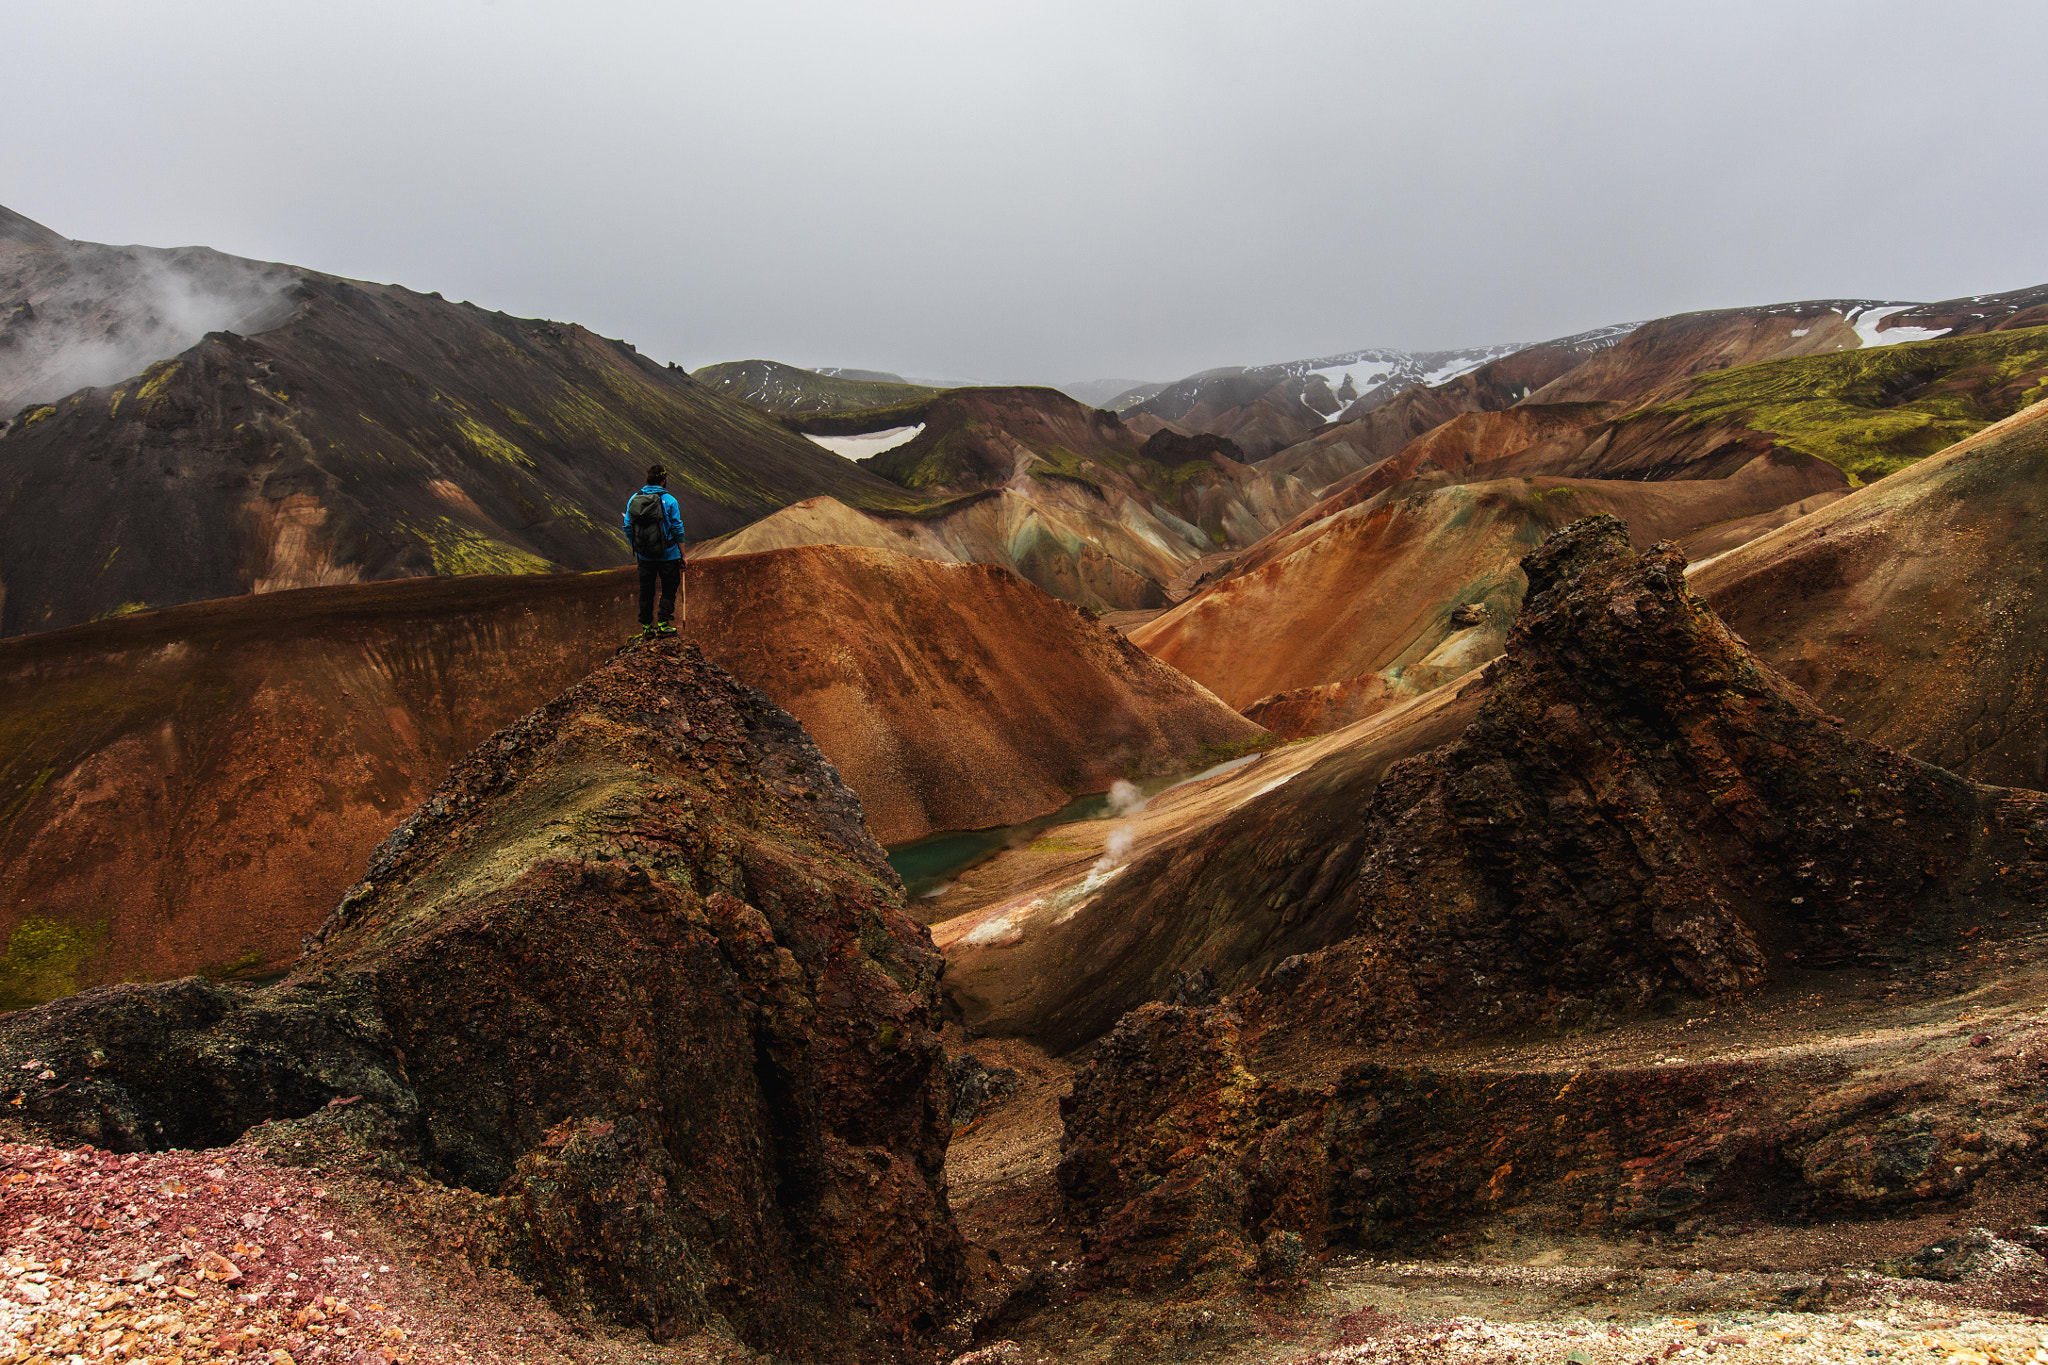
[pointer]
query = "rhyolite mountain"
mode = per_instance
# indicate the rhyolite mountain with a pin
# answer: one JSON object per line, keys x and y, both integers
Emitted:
{"x": 1264, "y": 408}
{"x": 1065, "y": 495}
{"x": 1634, "y": 366}
{"x": 189, "y": 789}
{"x": 635, "y": 975}
{"x": 1711, "y": 427}
{"x": 325, "y": 430}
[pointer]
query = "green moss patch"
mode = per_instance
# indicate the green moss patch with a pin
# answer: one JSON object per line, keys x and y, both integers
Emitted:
{"x": 778, "y": 388}
{"x": 45, "y": 959}
{"x": 1872, "y": 412}
{"x": 243, "y": 963}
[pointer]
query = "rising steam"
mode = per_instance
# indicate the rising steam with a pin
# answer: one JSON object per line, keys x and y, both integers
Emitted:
{"x": 82, "y": 315}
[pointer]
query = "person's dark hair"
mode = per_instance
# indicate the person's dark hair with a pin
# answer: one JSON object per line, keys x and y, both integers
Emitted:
{"x": 656, "y": 474}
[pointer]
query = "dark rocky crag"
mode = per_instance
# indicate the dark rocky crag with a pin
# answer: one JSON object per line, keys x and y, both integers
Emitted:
{"x": 1639, "y": 815}
{"x": 637, "y": 974}
{"x": 1641, "y": 809}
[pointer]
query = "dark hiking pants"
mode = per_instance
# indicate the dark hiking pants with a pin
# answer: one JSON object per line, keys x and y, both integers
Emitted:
{"x": 670, "y": 571}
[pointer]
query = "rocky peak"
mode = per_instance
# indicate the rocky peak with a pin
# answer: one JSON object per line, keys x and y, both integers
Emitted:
{"x": 637, "y": 976}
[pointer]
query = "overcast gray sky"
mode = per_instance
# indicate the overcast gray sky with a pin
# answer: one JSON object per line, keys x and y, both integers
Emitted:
{"x": 1050, "y": 191}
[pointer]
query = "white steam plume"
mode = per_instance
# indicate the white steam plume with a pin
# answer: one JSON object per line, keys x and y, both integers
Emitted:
{"x": 1125, "y": 798}
{"x": 83, "y": 315}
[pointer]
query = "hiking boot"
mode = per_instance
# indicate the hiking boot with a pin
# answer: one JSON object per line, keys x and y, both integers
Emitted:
{"x": 663, "y": 628}
{"x": 644, "y": 633}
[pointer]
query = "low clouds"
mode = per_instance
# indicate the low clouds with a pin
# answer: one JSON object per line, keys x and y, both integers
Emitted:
{"x": 82, "y": 314}
{"x": 1054, "y": 190}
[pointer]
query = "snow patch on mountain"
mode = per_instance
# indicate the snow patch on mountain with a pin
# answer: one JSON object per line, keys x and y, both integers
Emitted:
{"x": 1866, "y": 323}
{"x": 868, "y": 442}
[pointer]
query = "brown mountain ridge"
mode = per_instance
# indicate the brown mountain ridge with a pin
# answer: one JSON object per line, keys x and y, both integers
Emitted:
{"x": 189, "y": 789}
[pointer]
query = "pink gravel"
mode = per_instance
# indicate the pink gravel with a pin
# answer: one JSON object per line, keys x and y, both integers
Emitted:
{"x": 222, "y": 1255}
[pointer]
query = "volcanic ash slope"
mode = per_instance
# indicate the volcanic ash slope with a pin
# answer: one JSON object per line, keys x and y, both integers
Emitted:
{"x": 637, "y": 977}
{"x": 952, "y": 696}
{"x": 326, "y": 431}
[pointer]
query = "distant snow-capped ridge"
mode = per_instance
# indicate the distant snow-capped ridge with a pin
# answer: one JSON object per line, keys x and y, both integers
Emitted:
{"x": 1335, "y": 384}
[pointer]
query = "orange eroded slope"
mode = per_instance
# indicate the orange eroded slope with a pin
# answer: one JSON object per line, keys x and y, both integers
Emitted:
{"x": 1917, "y": 608}
{"x": 949, "y": 695}
{"x": 1373, "y": 588}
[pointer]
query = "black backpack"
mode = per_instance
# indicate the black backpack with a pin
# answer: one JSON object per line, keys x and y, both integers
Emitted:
{"x": 651, "y": 539}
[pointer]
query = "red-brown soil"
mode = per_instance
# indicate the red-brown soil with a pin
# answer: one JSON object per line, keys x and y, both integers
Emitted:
{"x": 230, "y": 1255}
{"x": 191, "y": 789}
{"x": 950, "y": 696}
{"x": 1916, "y": 608}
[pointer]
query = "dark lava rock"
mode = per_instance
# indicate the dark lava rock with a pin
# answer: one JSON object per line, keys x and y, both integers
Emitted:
{"x": 1642, "y": 811}
{"x": 978, "y": 1087}
{"x": 1959, "y": 1257}
{"x": 636, "y": 973}
{"x": 1196, "y": 986}
{"x": 1639, "y": 813}
{"x": 1170, "y": 448}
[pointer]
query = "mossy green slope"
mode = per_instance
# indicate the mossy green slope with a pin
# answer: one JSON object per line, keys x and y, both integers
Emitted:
{"x": 778, "y": 388}
{"x": 1872, "y": 412}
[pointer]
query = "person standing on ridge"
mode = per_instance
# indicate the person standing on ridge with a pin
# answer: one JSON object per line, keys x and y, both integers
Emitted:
{"x": 654, "y": 528}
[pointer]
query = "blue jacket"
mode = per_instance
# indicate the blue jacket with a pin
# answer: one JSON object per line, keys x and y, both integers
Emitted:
{"x": 670, "y": 512}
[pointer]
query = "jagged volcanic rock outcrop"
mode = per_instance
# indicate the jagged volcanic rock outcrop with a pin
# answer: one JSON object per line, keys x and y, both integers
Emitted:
{"x": 1637, "y": 809}
{"x": 1642, "y": 808}
{"x": 357, "y": 431}
{"x": 637, "y": 975}
{"x": 1639, "y": 815}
